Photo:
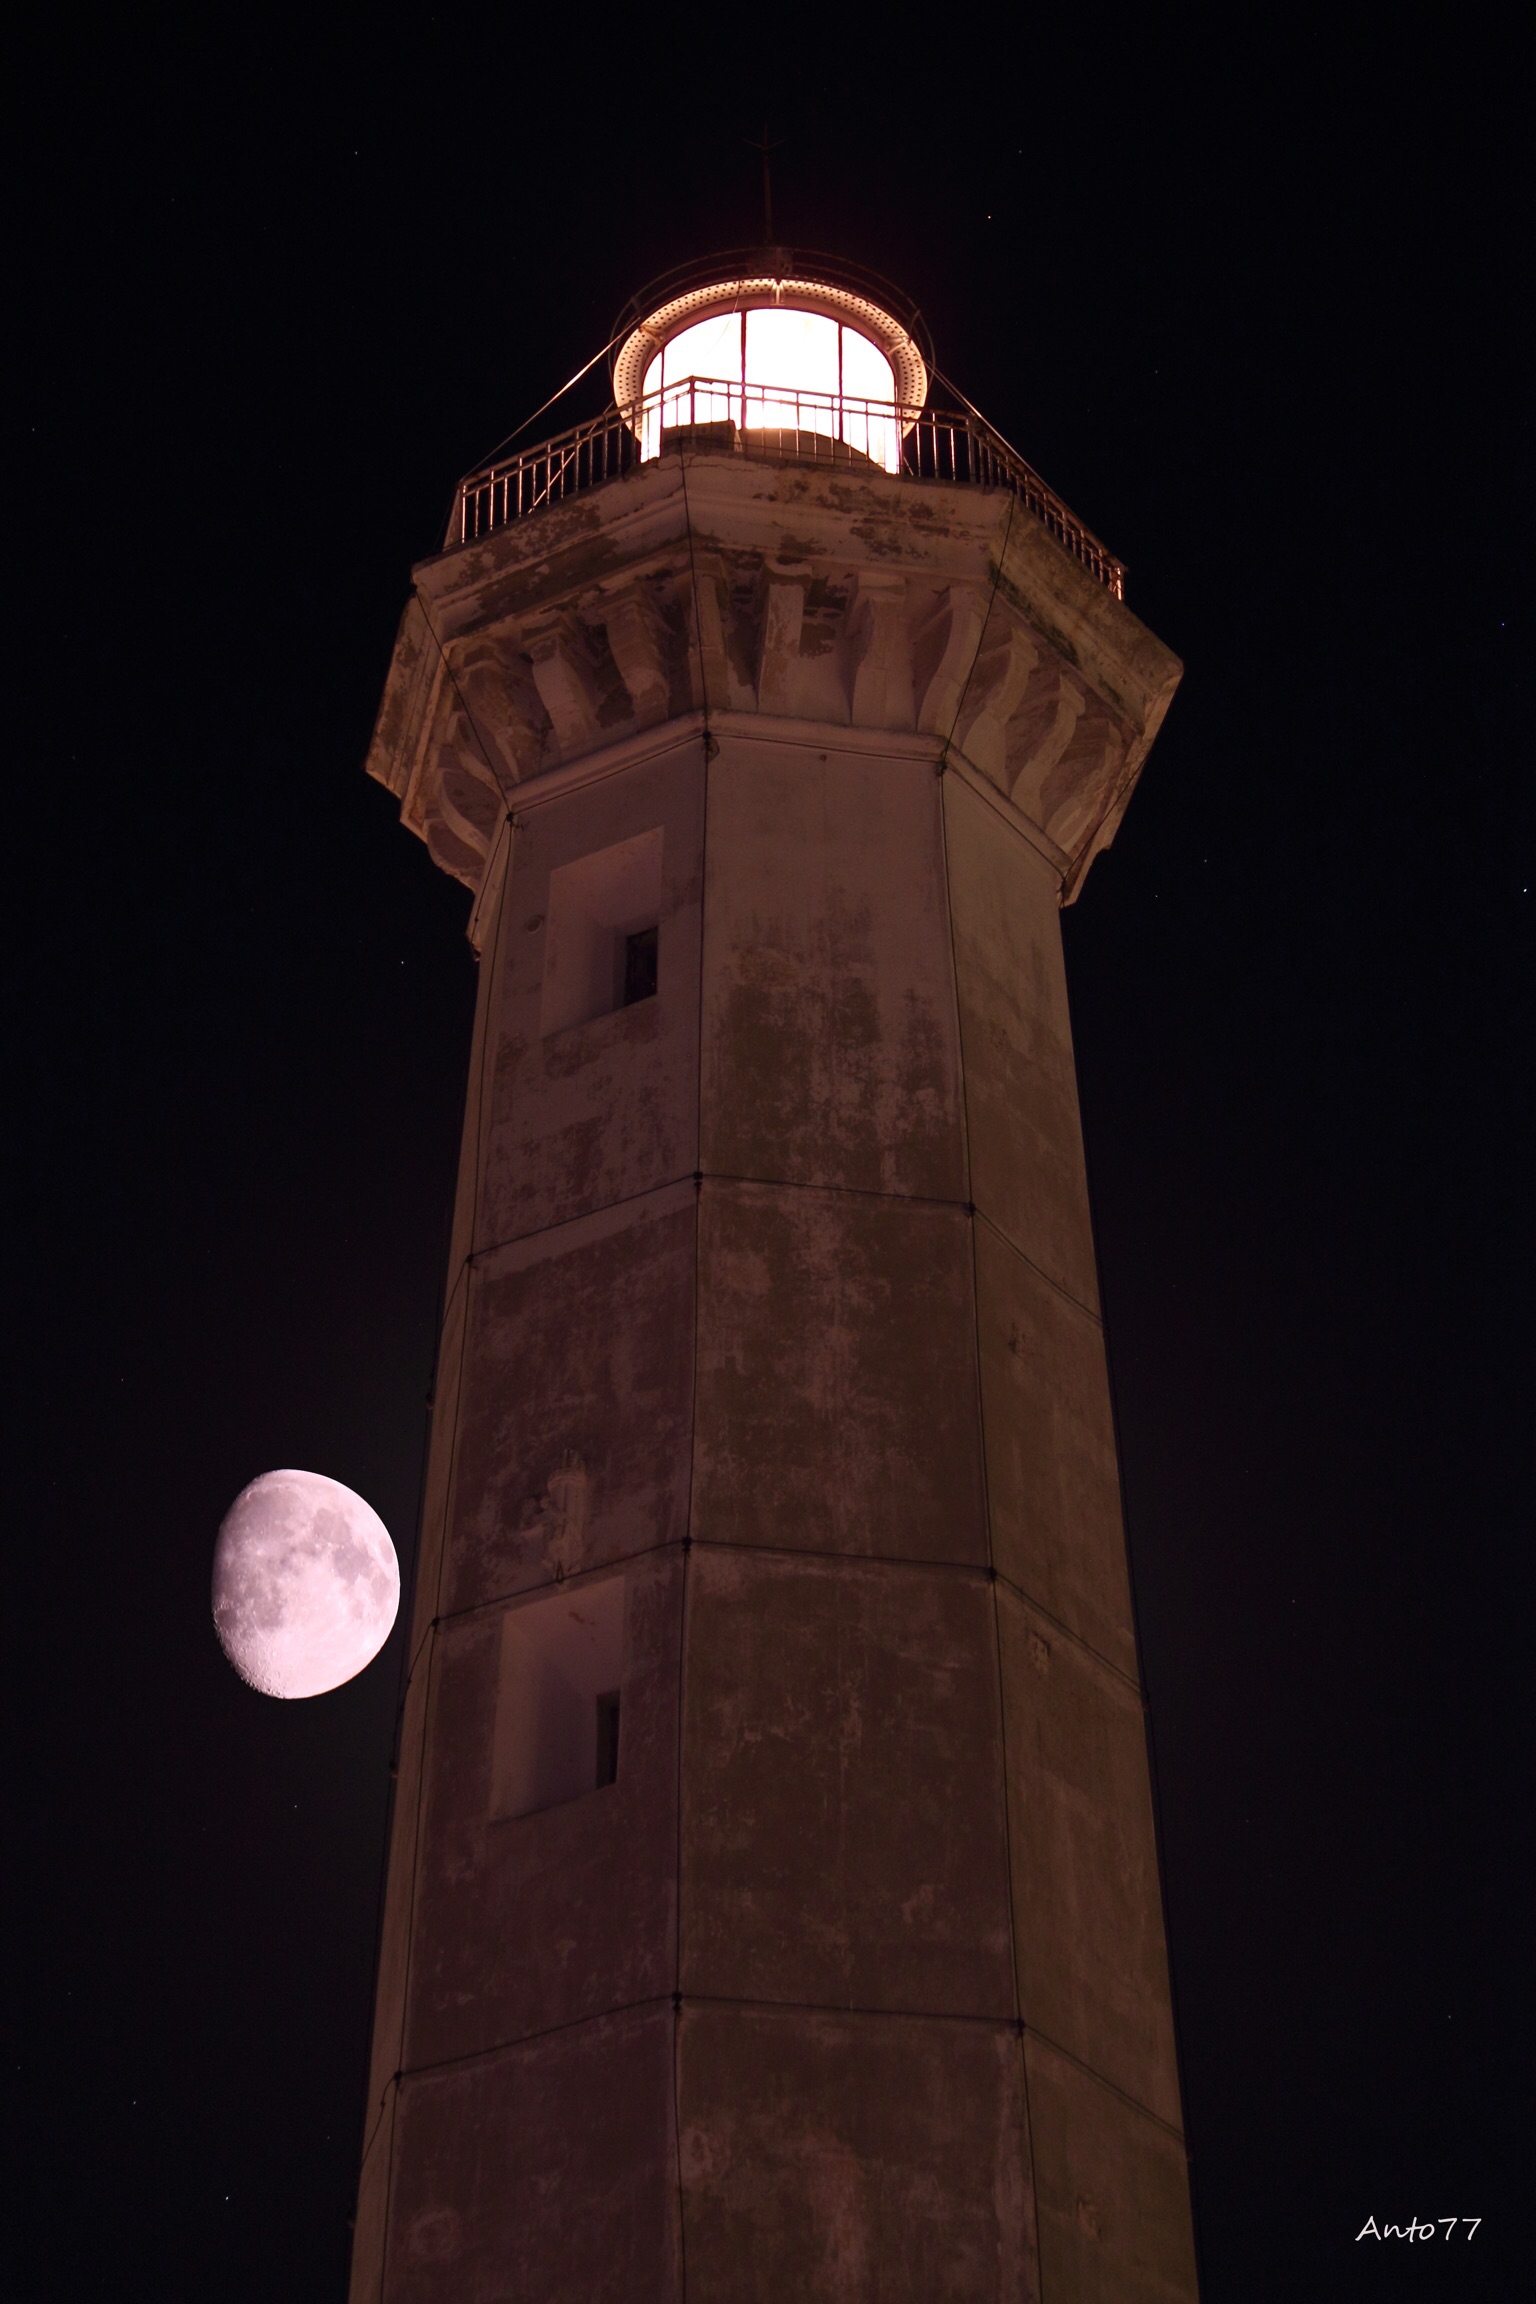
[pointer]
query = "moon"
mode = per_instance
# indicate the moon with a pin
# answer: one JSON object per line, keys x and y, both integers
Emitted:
{"x": 305, "y": 1584}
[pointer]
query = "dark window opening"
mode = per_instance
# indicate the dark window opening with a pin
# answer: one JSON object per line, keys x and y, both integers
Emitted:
{"x": 608, "y": 1730}
{"x": 639, "y": 966}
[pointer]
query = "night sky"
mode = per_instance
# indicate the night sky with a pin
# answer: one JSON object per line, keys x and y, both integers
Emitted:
{"x": 1247, "y": 289}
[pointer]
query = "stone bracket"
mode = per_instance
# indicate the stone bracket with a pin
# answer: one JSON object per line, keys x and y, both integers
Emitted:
{"x": 1066, "y": 711}
{"x": 944, "y": 651}
{"x": 877, "y": 660}
{"x": 1001, "y": 673}
{"x": 509, "y": 718}
{"x": 778, "y": 653}
{"x": 566, "y": 679}
{"x": 637, "y": 640}
{"x": 709, "y": 673}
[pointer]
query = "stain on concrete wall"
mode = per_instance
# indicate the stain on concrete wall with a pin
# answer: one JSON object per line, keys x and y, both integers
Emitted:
{"x": 1053, "y": 1485}
{"x": 525, "y": 1923}
{"x": 831, "y": 2159}
{"x": 830, "y": 1051}
{"x": 1111, "y": 2191}
{"x": 1027, "y": 1171}
{"x": 580, "y": 1348}
{"x": 837, "y": 1375}
{"x": 605, "y": 1109}
{"x": 842, "y": 1820}
{"x": 1092, "y": 1974}
{"x": 553, "y": 2162}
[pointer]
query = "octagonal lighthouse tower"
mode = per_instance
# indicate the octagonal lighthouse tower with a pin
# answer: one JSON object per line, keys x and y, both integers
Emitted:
{"x": 773, "y": 1907}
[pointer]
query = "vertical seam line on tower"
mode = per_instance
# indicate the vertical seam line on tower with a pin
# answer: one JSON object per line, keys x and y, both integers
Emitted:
{"x": 693, "y": 1421}
{"x": 1148, "y": 1725}
{"x": 981, "y": 1431}
{"x": 450, "y": 1484}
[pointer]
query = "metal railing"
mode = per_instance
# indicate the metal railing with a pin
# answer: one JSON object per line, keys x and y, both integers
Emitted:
{"x": 776, "y": 423}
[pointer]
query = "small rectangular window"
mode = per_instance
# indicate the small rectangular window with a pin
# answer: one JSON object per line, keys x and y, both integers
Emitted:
{"x": 602, "y": 942}
{"x": 639, "y": 966}
{"x": 608, "y": 1738}
{"x": 556, "y": 1734}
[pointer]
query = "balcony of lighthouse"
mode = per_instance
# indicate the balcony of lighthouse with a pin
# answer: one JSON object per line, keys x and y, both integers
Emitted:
{"x": 790, "y": 369}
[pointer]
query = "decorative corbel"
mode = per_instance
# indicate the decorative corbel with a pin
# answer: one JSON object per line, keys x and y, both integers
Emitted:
{"x": 638, "y": 642}
{"x": 778, "y": 652}
{"x": 1084, "y": 781}
{"x": 944, "y": 651}
{"x": 1040, "y": 739}
{"x": 877, "y": 662}
{"x": 464, "y": 859}
{"x": 709, "y": 672}
{"x": 509, "y": 718}
{"x": 468, "y": 796}
{"x": 999, "y": 678}
{"x": 566, "y": 679}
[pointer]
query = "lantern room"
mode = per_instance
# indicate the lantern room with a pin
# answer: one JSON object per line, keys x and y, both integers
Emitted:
{"x": 788, "y": 346}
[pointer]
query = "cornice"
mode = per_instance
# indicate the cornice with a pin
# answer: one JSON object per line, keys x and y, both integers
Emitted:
{"x": 807, "y": 602}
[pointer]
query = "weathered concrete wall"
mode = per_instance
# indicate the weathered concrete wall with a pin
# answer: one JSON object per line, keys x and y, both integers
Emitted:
{"x": 590, "y": 1116}
{"x": 828, "y": 2157}
{"x": 547, "y": 2169}
{"x": 774, "y": 1295}
{"x": 830, "y": 1050}
{"x": 525, "y": 1924}
{"x": 836, "y": 1386}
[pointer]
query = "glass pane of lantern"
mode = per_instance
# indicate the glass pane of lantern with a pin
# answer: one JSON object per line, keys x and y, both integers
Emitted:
{"x": 867, "y": 376}
{"x": 792, "y": 359}
{"x": 711, "y": 349}
{"x": 797, "y": 367}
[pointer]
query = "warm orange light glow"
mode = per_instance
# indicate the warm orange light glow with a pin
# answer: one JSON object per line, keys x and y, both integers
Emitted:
{"x": 772, "y": 367}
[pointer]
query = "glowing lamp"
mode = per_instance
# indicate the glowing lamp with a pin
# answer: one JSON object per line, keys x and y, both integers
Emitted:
{"x": 767, "y": 349}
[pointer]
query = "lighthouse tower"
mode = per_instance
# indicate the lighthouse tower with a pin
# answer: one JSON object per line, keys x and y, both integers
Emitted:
{"x": 773, "y": 1908}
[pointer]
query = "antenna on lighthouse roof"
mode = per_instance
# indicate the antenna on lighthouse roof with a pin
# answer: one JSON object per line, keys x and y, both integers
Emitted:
{"x": 763, "y": 145}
